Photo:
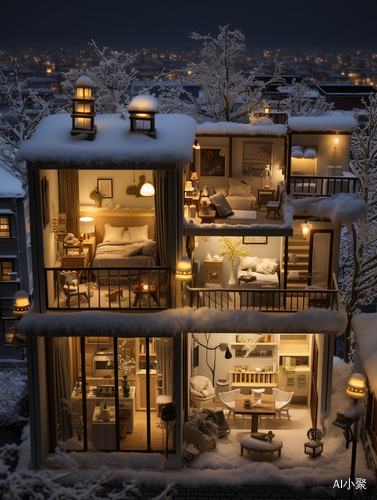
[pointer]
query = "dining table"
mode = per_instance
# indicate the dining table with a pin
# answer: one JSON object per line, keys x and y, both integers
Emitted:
{"x": 267, "y": 407}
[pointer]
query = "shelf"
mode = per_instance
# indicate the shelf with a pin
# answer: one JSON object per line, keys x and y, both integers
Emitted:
{"x": 293, "y": 354}
{"x": 237, "y": 344}
{"x": 268, "y": 379}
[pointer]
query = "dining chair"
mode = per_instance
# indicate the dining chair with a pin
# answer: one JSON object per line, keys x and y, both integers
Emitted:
{"x": 282, "y": 401}
{"x": 228, "y": 400}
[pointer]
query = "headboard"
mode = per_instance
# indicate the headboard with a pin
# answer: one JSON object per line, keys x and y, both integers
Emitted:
{"x": 124, "y": 217}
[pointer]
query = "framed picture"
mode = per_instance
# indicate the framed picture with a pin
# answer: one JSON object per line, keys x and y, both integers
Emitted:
{"x": 213, "y": 162}
{"x": 255, "y": 157}
{"x": 254, "y": 240}
{"x": 45, "y": 201}
{"x": 105, "y": 187}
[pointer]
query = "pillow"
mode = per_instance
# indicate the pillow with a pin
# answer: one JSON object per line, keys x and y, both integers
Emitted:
{"x": 222, "y": 190}
{"x": 297, "y": 171}
{"x": 208, "y": 191}
{"x": 249, "y": 263}
{"x": 238, "y": 187}
{"x": 132, "y": 249}
{"x": 267, "y": 267}
{"x": 126, "y": 236}
{"x": 112, "y": 233}
{"x": 310, "y": 153}
{"x": 148, "y": 248}
{"x": 297, "y": 152}
{"x": 139, "y": 233}
{"x": 222, "y": 207}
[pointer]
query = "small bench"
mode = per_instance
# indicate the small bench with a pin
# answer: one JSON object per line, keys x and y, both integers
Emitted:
{"x": 256, "y": 445}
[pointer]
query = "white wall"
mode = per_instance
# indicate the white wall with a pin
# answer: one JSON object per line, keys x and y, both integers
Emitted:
{"x": 121, "y": 180}
{"x": 271, "y": 250}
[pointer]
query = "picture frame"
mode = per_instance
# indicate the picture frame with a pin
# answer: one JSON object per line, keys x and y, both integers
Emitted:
{"x": 213, "y": 162}
{"x": 105, "y": 187}
{"x": 45, "y": 201}
{"x": 254, "y": 240}
{"x": 255, "y": 157}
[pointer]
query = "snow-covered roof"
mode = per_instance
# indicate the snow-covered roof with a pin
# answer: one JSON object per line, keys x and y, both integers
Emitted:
{"x": 144, "y": 103}
{"x": 10, "y": 185}
{"x": 175, "y": 321}
{"x": 333, "y": 123}
{"x": 230, "y": 128}
{"x": 52, "y": 142}
{"x": 365, "y": 327}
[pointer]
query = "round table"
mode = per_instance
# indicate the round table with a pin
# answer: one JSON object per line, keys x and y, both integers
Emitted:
{"x": 256, "y": 445}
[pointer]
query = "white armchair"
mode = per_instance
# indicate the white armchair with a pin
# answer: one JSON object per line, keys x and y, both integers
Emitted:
{"x": 201, "y": 390}
{"x": 282, "y": 401}
{"x": 228, "y": 400}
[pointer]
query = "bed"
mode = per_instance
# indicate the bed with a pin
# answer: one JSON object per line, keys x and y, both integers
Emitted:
{"x": 265, "y": 276}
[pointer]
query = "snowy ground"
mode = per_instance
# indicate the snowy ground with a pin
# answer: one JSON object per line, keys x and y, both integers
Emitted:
{"x": 12, "y": 385}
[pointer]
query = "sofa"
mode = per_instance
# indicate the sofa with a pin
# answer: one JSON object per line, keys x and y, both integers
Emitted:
{"x": 237, "y": 193}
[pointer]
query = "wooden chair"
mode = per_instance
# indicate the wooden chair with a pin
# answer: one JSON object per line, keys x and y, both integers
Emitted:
{"x": 276, "y": 206}
{"x": 70, "y": 290}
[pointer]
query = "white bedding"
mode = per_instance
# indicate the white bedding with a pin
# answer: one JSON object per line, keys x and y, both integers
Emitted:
{"x": 113, "y": 255}
{"x": 261, "y": 279}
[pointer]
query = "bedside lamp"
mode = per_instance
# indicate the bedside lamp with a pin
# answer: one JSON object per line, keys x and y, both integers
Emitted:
{"x": 86, "y": 226}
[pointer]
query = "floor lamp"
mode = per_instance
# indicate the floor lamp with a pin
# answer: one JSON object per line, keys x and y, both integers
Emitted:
{"x": 224, "y": 347}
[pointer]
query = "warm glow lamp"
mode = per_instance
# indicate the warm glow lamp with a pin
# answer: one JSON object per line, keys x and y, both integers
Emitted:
{"x": 183, "y": 271}
{"x": 305, "y": 230}
{"x": 147, "y": 189}
{"x": 356, "y": 386}
{"x": 336, "y": 142}
{"x": 21, "y": 303}
{"x": 142, "y": 110}
{"x": 83, "y": 109}
{"x": 86, "y": 226}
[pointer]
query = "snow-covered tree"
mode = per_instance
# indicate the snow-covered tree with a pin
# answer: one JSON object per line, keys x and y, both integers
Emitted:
{"x": 359, "y": 287}
{"x": 227, "y": 94}
{"x": 301, "y": 102}
{"x": 25, "y": 110}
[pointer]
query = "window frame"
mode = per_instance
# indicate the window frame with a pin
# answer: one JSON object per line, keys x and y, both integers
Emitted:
{"x": 3, "y": 216}
{"x": 2, "y": 261}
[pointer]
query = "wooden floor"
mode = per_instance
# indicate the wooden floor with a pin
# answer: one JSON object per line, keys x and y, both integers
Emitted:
{"x": 138, "y": 439}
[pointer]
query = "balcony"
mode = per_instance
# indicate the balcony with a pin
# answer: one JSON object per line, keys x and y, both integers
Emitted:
{"x": 266, "y": 300}
{"x": 317, "y": 185}
{"x": 107, "y": 289}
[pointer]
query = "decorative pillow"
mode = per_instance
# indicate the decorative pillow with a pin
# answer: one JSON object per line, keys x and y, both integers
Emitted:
{"x": 249, "y": 263}
{"x": 132, "y": 249}
{"x": 139, "y": 233}
{"x": 148, "y": 248}
{"x": 310, "y": 153}
{"x": 112, "y": 233}
{"x": 222, "y": 190}
{"x": 297, "y": 152}
{"x": 223, "y": 208}
{"x": 267, "y": 267}
{"x": 238, "y": 187}
{"x": 208, "y": 191}
{"x": 297, "y": 171}
{"x": 205, "y": 393}
{"x": 126, "y": 236}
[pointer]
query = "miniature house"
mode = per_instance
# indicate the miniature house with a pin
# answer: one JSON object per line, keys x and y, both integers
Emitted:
{"x": 105, "y": 319}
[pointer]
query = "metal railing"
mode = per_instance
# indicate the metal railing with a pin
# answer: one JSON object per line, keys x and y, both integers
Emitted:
{"x": 311, "y": 185}
{"x": 107, "y": 288}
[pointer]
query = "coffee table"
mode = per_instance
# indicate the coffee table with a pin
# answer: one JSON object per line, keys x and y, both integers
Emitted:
{"x": 151, "y": 290}
{"x": 266, "y": 408}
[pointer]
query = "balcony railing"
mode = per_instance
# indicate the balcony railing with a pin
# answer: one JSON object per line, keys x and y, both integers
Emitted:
{"x": 107, "y": 288}
{"x": 267, "y": 300}
{"x": 312, "y": 185}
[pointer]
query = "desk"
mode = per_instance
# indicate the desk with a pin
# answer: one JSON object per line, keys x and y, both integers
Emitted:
{"x": 265, "y": 195}
{"x": 266, "y": 408}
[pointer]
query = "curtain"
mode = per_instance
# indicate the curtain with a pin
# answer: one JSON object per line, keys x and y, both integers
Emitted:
{"x": 165, "y": 364}
{"x": 69, "y": 199}
{"x": 160, "y": 179}
{"x": 62, "y": 385}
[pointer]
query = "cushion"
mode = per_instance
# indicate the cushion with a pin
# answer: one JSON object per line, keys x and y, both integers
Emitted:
{"x": 267, "y": 267}
{"x": 297, "y": 171}
{"x": 249, "y": 263}
{"x": 148, "y": 247}
{"x": 112, "y": 233}
{"x": 223, "y": 190}
{"x": 238, "y": 187}
{"x": 208, "y": 191}
{"x": 132, "y": 249}
{"x": 223, "y": 209}
{"x": 297, "y": 152}
{"x": 242, "y": 202}
{"x": 126, "y": 236}
{"x": 310, "y": 153}
{"x": 139, "y": 233}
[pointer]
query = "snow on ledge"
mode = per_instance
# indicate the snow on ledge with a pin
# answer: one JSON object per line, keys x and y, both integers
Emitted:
{"x": 333, "y": 123}
{"x": 175, "y": 321}
{"x": 365, "y": 327}
{"x": 230, "y": 128}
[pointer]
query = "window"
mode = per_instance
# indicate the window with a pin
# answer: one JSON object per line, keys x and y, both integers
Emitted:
{"x": 9, "y": 330}
{"x": 6, "y": 268}
{"x": 4, "y": 226}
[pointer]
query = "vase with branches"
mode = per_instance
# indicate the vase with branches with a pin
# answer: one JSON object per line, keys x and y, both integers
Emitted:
{"x": 231, "y": 250}
{"x": 125, "y": 363}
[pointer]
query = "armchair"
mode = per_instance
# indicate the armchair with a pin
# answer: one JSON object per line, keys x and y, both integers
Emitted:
{"x": 201, "y": 390}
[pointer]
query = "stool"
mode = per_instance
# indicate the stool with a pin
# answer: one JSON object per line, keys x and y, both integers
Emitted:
{"x": 250, "y": 444}
{"x": 162, "y": 400}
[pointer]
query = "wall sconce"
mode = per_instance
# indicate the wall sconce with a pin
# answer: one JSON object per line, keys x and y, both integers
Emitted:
{"x": 83, "y": 109}
{"x": 147, "y": 190}
{"x": 336, "y": 142}
{"x": 314, "y": 447}
{"x": 266, "y": 110}
{"x": 142, "y": 110}
{"x": 183, "y": 271}
{"x": 356, "y": 387}
{"x": 21, "y": 303}
{"x": 196, "y": 144}
{"x": 86, "y": 226}
{"x": 305, "y": 230}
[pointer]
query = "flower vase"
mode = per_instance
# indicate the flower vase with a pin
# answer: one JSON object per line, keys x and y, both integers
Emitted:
{"x": 125, "y": 387}
{"x": 232, "y": 280}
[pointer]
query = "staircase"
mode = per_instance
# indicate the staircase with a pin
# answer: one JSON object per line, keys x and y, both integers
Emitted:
{"x": 298, "y": 247}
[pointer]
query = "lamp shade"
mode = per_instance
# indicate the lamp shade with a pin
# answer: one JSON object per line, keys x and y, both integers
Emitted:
{"x": 194, "y": 176}
{"x": 87, "y": 225}
{"x": 356, "y": 386}
{"x": 21, "y": 303}
{"x": 147, "y": 189}
{"x": 183, "y": 271}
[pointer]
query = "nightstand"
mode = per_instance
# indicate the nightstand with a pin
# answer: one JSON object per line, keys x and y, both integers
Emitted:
{"x": 208, "y": 218}
{"x": 213, "y": 271}
{"x": 90, "y": 244}
{"x": 265, "y": 195}
{"x": 76, "y": 260}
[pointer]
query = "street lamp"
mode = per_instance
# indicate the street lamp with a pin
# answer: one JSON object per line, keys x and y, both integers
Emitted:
{"x": 350, "y": 416}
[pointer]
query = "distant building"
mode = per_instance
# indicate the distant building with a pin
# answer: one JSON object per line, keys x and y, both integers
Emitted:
{"x": 345, "y": 96}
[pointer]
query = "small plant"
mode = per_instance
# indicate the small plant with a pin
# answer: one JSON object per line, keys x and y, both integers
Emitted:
{"x": 76, "y": 420}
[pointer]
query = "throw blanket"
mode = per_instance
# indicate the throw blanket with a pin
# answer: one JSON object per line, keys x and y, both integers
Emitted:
{"x": 219, "y": 419}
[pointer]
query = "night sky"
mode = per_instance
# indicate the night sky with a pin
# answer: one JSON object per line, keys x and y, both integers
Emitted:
{"x": 151, "y": 23}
